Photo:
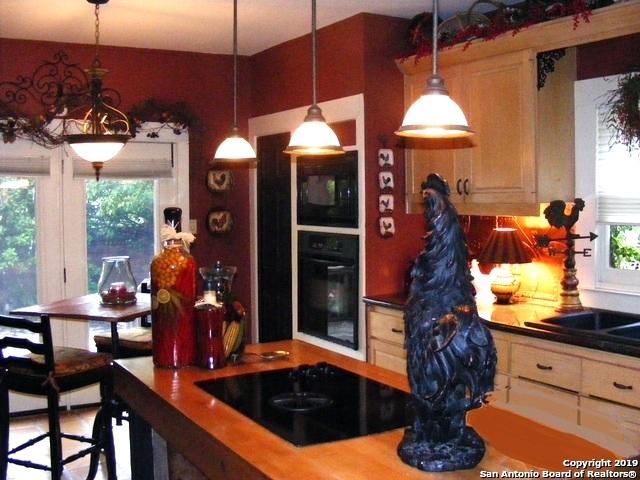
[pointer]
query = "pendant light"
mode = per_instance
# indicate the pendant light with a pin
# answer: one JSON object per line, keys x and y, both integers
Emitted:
{"x": 104, "y": 129}
{"x": 234, "y": 147}
{"x": 434, "y": 114}
{"x": 314, "y": 136}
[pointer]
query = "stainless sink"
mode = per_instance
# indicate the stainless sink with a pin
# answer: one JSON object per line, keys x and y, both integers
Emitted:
{"x": 593, "y": 320}
{"x": 603, "y": 324}
{"x": 630, "y": 332}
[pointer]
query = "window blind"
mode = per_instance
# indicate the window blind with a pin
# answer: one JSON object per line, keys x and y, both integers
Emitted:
{"x": 617, "y": 178}
{"x": 136, "y": 160}
{"x": 23, "y": 158}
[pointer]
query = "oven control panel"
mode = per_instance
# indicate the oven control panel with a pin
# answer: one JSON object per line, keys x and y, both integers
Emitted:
{"x": 333, "y": 244}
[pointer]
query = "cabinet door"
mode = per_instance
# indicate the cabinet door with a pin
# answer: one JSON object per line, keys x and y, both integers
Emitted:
{"x": 501, "y": 94}
{"x": 448, "y": 157}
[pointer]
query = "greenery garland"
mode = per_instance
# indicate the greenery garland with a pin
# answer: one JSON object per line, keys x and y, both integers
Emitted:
{"x": 623, "y": 115}
{"x": 176, "y": 116}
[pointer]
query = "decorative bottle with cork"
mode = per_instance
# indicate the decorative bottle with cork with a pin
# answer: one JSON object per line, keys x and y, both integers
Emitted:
{"x": 173, "y": 294}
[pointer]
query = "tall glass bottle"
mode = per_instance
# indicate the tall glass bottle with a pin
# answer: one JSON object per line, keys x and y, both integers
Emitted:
{"x": 173, "y": 295}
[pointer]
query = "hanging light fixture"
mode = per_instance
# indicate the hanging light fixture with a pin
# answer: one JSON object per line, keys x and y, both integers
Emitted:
{"x": 434, "y": 114}
{"x": 314, "y": 136}
{"x": 234, "y": 147}
{"x": 104, "y": 129}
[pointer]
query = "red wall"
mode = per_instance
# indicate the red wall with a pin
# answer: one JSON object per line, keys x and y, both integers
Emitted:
{"x": 282, "y": 74}
{"x": 387, "y": 258}
{"x": 355, "y": 56}
{"x": 204, "y": 82}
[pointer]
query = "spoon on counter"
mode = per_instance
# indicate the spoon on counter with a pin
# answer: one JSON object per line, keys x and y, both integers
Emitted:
{"x": 268, "y": 356}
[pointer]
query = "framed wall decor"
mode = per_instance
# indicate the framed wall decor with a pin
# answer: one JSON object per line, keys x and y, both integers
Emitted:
{"x": 387, "y": 227}
{"x": 385, "y": 203}
{"x": 386, "y": 181}
{"x": 219, "y": 180}
{"x": 219, "y": 221}
{"x": 385, "y": 157}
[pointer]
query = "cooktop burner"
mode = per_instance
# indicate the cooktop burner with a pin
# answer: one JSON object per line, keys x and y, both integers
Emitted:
{"x": 313, "y": 404}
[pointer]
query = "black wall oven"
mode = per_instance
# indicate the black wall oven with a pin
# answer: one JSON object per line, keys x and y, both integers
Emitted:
{"x": 328, "y": 290}
{"x": 327, "y": 190}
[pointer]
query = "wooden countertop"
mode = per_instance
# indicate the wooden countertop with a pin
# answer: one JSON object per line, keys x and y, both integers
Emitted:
{"x": 223, "y": 443}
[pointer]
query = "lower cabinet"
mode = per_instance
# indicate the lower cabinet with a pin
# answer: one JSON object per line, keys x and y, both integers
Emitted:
{"x": 586, "y": 392}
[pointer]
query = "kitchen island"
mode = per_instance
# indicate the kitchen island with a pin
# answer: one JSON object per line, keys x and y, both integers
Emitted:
{"x": 222, "y": 443}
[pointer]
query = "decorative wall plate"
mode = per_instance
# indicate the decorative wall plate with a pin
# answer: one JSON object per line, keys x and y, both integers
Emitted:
{"x": 387, "y": 227}
{"x": 385, "y": 157}
{"x": 385, "y": 203}
{"x": 386, "y": 181}
{"x": 219, "y": 221}
{"x": 219, "y": 180}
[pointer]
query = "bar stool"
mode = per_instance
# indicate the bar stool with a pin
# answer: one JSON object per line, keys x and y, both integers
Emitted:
{"x": 49, "y": 371}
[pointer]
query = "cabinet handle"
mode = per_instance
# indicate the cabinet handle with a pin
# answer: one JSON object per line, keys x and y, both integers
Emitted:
{"x": 465, "y": 186}
{"x": 396, "y": 330}
{"x": 459, "y": 186}
{"x": 622, "y": 386}
{"x": 544, "y": 367}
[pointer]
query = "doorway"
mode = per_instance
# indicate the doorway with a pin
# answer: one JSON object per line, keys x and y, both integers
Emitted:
{"x": 274, "y": 238}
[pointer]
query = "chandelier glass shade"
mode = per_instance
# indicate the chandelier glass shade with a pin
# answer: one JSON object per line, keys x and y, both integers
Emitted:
{"x": 235, "y": 147}
{"x": 103, "y": 129}
{"x": 434, "y": 114}
{"x": 314, "y": 136}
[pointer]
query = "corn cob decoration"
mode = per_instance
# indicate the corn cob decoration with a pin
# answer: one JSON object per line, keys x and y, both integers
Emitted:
{"x": 233, "y": 336}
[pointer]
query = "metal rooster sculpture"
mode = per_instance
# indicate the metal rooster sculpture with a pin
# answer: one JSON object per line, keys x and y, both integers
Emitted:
{"x": 555, "y": 214}
{"x": 451, "y": 358}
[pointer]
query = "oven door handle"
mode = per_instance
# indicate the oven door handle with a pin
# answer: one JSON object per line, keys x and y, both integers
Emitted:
{"x": 333, "y": 264}
{"x": 340, "y": 268}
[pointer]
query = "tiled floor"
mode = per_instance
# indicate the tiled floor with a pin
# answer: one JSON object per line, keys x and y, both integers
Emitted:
{"x": 77, "y": 422}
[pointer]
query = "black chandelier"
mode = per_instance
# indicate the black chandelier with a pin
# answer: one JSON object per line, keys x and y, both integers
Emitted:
{"x": 76, "y": 109}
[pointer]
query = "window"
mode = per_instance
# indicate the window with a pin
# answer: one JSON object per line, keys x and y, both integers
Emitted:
{"x": 607, "y": 178}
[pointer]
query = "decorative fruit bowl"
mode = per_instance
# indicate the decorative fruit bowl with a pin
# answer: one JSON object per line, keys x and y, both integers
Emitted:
{"x": 117, "y": 294}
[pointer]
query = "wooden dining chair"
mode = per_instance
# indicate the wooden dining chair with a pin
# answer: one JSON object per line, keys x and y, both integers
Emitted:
{"x": 37, "y": 367}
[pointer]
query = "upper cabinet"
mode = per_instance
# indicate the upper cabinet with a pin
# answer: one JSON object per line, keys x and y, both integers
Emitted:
{"x": 522, "y": 153}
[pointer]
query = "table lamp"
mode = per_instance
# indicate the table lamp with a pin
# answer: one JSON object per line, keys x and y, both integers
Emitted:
{"x": 505, "y": 248}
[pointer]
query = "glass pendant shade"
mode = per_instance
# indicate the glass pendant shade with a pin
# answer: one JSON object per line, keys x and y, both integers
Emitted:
{"x": 97, "y": 148}
{"x": 434, "y": 115}
{"x": 234, "y": 147}
{"x": 314, "y": 136}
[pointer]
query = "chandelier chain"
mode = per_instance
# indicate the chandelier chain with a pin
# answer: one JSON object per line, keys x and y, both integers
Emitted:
{"x": 235, "y": 63}
{"x": 96, "y": 61}
{"x": 434, "y": 38}
{"x": 313, "y": 51}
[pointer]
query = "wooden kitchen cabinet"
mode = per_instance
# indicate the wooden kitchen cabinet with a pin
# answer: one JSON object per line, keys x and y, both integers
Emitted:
{"x": 385, "y": 338}
{"x": 590, "y": 392}
{"x": 522, "y": 151}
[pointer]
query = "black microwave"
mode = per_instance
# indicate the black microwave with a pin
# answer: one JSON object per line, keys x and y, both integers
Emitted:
{"x": 328, "y": 190}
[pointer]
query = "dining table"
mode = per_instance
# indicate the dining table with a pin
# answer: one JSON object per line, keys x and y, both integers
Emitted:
{"x": 89, "y": 307}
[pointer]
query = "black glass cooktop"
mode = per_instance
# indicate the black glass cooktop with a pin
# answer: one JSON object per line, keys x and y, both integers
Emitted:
{"x": 313, "y": 404}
